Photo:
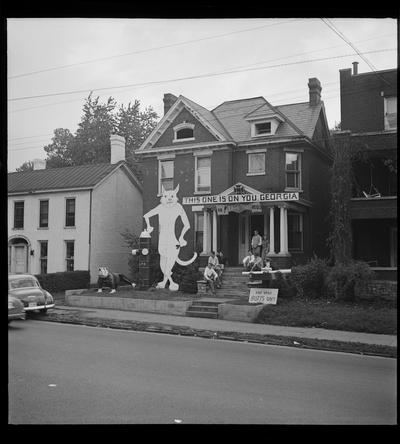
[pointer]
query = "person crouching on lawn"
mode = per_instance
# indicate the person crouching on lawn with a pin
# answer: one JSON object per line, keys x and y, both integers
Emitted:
{"x": 211, "y": 276}
{"x": 109, "y": 279}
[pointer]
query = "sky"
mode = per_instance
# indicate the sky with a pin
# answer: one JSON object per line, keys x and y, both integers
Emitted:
{"x": 54, "y": 63}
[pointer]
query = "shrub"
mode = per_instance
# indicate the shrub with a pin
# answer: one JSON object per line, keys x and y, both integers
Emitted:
{"x": 342, "y": 279}
{"x": 284, "y": 285}
{"x": 65, "y": 280}
{"x": 310, "y": 279}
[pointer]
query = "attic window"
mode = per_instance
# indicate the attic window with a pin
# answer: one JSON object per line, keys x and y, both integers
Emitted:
{"x": 262, "y": 128}
{"x": 183, "y": 132}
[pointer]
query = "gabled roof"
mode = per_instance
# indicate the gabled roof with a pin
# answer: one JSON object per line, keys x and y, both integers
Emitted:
{"x": 231, "y": 119}
{"x": 82, "y": 176}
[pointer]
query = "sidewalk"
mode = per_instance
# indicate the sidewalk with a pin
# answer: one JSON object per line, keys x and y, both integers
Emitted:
{"x": 215, "y": 325}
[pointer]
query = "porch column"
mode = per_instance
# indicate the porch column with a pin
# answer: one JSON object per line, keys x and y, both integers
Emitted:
{"x": 214, "y": 233}
{"x": 209, "y": 228}
{"x": 283, "y": 231}
{"x": 205, "y": 231}
{"x": 271, "y": 231}
{"x": 286, "y": 231}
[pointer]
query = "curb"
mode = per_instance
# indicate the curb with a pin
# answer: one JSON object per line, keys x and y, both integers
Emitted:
{"x": 289, "y": 341}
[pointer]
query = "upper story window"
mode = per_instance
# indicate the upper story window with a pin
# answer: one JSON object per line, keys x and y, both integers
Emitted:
{"x": 70, "y": 212}
{"x": 293, "y": 170}
{"x": 262, "y": 128}
{"x": 256, "y": 163}
{"x": 44, "y": 214}
{"x": 390, "y": 112}
{"x": 203, "y": 174}
{"x": 19, "y": 214}
{"x": 166, "y": 175}
{"x": 183, "y": 132}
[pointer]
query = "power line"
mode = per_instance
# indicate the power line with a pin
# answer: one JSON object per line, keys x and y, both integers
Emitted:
{"x": 194, "y": 77}
{"x": 150, "y": 49}
{"x": 343, "y": 37}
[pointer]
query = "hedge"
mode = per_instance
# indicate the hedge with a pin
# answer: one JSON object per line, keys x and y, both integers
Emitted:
{"x": 64, "y": 280}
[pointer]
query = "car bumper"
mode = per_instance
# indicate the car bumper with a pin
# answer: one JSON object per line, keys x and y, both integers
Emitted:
{"x": 16, "y": 316}
{"x": 39, "y": 307}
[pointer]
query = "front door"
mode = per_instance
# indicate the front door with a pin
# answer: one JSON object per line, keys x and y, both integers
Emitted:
{"x": 20, "y": 259}
{"x": 244, "y": 235}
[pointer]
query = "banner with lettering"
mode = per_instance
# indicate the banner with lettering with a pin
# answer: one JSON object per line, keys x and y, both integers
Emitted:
{"x": 240, "y": 198}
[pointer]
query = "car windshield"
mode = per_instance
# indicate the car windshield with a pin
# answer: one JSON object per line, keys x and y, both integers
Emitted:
{"x": 23, "y": 282}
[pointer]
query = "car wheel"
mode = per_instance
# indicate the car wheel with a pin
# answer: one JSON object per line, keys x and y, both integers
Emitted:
{"x": 43, "y": 311}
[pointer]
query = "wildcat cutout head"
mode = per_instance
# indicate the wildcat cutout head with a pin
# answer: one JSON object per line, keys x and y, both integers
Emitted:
{"x": 103, "y": 271}
{"x": 169, "y": 197}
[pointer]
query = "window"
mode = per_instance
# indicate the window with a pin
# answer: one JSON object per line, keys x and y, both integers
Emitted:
{"x": 69, "y": 257}
{"x": 166, "y": 175}
{"x": 293, "y": 170}
{"x": 18, "y": 214}
{"x": 198, "y": 231}
{"x": 183, "y": 132}
{"x": 391, "y": 112}
{"x": 203, "y": 174}
{"x": 44, "y": 214}
{"x": 262, "y": 128}
{"x": 256, "y": 163}
{"x": 43, "y": 257}
{"x": 70, "y": 212}
{"x": 295, "y": 232}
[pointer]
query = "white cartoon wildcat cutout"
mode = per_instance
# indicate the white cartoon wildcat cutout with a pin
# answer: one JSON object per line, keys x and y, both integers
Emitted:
{"x": 168, "y": 246}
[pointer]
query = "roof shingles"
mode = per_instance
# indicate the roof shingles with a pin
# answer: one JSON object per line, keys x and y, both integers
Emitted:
{"x": 82, "y": 176}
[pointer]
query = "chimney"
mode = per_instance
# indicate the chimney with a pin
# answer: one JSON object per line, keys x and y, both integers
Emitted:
{"x": 355, "y": 68}
{"x": 117, "y": 148}
{"x": 169, "y": 100}
{"x": 39, "y": 164}
{"x": 314, "y": 86}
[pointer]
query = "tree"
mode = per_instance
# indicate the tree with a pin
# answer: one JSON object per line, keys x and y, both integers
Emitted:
{"x": 59, "y": 151}
{"x": 135, "y": 126}
{"x": 26, "y": 166}
{"x": 340, "y": 238}
{"x": 91, "y": 143}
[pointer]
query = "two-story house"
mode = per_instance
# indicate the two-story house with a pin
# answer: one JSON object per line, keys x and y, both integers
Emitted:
{"x": 65, "y": 219}
{"x": 369, "y": 113}
{"x": 245, "y": 165}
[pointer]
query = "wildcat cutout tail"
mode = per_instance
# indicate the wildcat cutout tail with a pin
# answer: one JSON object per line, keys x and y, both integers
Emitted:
{"x": 184, "y": 263}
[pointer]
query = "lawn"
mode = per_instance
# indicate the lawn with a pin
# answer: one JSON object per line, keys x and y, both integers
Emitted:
{"x": 366, "y": 317}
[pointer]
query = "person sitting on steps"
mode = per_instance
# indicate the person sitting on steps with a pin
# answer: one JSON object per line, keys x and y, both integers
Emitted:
{"x": 248, "y": 260}
{"x": 257, "y": 263}
{"x": 211, "y": 276}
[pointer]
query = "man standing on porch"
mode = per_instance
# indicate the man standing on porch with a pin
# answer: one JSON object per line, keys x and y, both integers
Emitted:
{"x": 256, "y": 242}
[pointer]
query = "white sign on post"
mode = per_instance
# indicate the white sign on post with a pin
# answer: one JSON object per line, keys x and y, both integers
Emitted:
{"x": 263, "y": 295}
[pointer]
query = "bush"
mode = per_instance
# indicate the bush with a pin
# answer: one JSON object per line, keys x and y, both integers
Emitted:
{"x": 284, "y": 285}
{"x": 342, "y": 279}
{"x": 309, "y": 280}
{"x": 65, "y": 280}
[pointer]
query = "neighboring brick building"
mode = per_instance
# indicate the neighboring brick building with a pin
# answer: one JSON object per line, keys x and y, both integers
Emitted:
{"x": 65, "y": 219}
{"x": 245, "y": 165}
{"x": 369, "y": 112}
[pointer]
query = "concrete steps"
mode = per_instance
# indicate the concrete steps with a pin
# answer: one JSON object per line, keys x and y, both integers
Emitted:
{"x": 203, "y": 309}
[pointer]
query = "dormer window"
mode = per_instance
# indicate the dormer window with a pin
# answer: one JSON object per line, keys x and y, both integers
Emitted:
{"x": 265, "y": 125}
{"x": 262, "y": 128}
{"x": 183, "y": 132}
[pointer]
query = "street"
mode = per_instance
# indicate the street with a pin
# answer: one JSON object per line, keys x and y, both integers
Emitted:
{"x": 72, "y": 374}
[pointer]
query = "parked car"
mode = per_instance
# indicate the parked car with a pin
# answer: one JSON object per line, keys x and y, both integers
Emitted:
{"x": 15, "y": 309}
{"x": 28, "y": 290}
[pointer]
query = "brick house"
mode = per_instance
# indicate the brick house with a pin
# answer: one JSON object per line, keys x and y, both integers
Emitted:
{"x": 65, "y": 219}
{"x": 245, "y": 165}
{"x": 369, "y": 114}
